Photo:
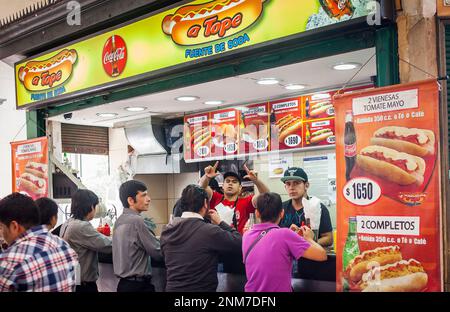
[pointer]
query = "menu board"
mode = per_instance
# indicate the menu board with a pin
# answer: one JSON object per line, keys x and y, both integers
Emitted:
{"x": 286, "y": 124}
{"x": 197, "y": 137}
{"x": 318, "y": 132}
{"x": 388, "y": 190}
{"x": 30, "y": 167}
{"x": 318, "y": 106}
{"x": 224, "y": 131}
{"x": 254, "y": 132}
{"x": 282, "y": 125}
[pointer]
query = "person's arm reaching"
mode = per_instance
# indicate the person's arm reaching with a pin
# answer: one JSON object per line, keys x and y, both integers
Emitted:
{"x": 149, "y": 242}
{"x": 325, "y": 229}
{"x": 210, "y": 173}
{"x": 315, "y": 251}
{"x": 226, "y": 239}
{"x": 89, "y": 238}
{"x": 262, "y": 188}
{"x": 326, "y": 239}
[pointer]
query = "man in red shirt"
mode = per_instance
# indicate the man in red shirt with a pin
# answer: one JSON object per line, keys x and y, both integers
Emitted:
{"x": 232, "y": 209}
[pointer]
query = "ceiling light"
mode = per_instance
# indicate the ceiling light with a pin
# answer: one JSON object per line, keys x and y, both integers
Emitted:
{"x": 107, "y": 115}
{"x": 320, "y": 96}
{"x": 346, "y": 66}
{"x": 294, "y": 87}
{"x": 213, "y": 102}
{"x": 135, "y": 109}
{"x": 187, "y": 98}
{"x": 268, "y": 81}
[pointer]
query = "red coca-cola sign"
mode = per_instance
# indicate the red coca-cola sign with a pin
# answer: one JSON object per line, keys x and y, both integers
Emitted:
{"x": 114, "y": 56}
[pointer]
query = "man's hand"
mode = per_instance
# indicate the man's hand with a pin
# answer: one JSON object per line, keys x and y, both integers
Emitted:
{"x": 307, "y": 233}
{"x": 247, "y": 226}
{"x": 294, "y": 228}
{"x": 251, "y": 174}
{"x": 214, "y": 216}
{"x": 211, "y": 171}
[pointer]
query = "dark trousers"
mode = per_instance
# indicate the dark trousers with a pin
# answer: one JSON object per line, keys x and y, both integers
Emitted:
{"x": 129, "y": 285}
{"x": 87, "y": 287}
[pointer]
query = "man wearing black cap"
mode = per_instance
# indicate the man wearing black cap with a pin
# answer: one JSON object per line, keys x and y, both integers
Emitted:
{"x": 233, "y": 210}
{"x": 296, "y": 183}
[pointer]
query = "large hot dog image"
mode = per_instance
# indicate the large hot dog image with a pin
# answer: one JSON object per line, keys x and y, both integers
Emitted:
{"x": 37, "y": 169}
{"x": 319, "y": 108}
{"x": 225, "y": 134}
{"x": 31, "y": 184}
{"x": 320, "y": 135}
{"x": 419, "y": 142}
{"x": 392, "y": 165}
{"x": 287, "y": 125}
{"x": 49, "y": 73}
{"x": 255, "y": 130}
{"x": 362, "y": 263}
{"x": 212, "y": 20}
{"x": 401, "y": 276}
{"x": 200, "y": 137}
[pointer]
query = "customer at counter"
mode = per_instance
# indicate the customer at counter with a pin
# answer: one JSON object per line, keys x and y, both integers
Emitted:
{"x": 296, "y": 183}
{"x": 84, "y": 239}
{"x": 191, "y": 247}
{"x": 134, "y": 246}
{"x": 48, "y": 212}
{"x": 232, "y": 209}
{"x": 269, "y": 251}
{"x": 35, "y": 260}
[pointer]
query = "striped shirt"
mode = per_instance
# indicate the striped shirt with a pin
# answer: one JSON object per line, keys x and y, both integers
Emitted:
{"x": 38, "y": 261}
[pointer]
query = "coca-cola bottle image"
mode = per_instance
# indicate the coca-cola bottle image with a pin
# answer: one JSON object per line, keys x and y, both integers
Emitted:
{"x": 349, "y": 144}
{"x": 115, "y": 69}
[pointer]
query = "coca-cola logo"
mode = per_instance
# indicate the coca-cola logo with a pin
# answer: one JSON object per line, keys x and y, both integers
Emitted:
{"x": 114, "y": 56}
{"x": 350, "y": 150}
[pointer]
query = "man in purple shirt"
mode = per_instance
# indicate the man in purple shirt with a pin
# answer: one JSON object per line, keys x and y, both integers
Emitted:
{"x": 269, "y": 250}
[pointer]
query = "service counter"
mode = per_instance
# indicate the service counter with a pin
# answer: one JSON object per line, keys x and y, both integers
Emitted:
{"x": 309, "y": 276}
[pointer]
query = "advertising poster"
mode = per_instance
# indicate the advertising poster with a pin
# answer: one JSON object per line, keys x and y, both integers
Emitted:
{"x": 318, "y": 133}
{"x": 197, "y": 136}
{"x": 388, "y": 191}
{"x": 30, "y": 167}
{"x": 286, "y": 124}
{"x": 191, "y": 32}
{"x": 225, "y": 132}
{"x": 254, "y": 132}
{"x": 318, "y": 106}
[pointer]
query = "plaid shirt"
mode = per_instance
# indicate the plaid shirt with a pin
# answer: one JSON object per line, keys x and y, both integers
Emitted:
{"x": 38, "y": 261}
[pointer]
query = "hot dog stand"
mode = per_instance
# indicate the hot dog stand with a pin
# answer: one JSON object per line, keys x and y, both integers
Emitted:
{"x": 269, "y": 84}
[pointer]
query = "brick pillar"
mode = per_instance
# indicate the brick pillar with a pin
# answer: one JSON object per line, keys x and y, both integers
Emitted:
{"x": 417, "y": 39}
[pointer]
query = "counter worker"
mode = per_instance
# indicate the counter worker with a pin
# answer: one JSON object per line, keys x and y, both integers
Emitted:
{"x": 232, "y": 209}
{"x": 296, "y": 183}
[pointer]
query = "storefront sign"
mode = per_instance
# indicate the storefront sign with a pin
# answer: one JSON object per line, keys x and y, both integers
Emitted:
{"x": 190, "y": 32}
{"x": 30, "y": 167}
{"x": 388, "y": 191}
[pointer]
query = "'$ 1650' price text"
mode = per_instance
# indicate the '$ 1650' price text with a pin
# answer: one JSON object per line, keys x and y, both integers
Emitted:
{"x": 362, "y": 191}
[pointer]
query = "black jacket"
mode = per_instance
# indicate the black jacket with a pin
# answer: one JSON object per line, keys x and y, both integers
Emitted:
{"x": 191, "y": 249}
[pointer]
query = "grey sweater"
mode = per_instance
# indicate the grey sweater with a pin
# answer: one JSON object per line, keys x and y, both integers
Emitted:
{"x": 133, "y": 246}
{"x": 191, "y": 249}
{"x": 86, "y": 242}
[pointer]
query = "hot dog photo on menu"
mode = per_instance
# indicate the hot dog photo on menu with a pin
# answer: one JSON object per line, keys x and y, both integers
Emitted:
{"x": 319, "y": 132}
{"x": 383, "y": 269}
{"x": 286, "y": 124}
{"x": 197, "y": 138}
